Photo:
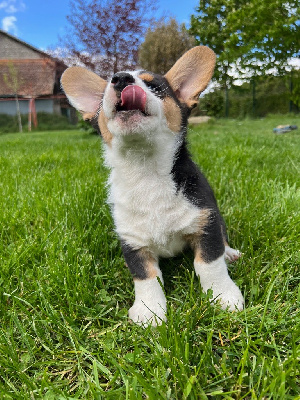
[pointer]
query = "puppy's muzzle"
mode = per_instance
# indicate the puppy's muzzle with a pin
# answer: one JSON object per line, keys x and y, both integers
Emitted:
{"x": 132, "y": 97}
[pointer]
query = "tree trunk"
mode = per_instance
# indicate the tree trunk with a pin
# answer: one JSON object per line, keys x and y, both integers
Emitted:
{"x": 116, "y": 60}
{"x": 291, "y": 92}
{"x": 226, "y": 101}
{"x": 226, "y": 91}
{"x": 253, "y": 98}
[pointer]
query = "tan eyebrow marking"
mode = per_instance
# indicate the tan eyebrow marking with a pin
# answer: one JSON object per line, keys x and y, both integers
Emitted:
{"x": 146, "y": 77}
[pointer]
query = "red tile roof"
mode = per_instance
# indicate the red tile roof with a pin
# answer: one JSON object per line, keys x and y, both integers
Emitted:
{"x": 34, "y": 77}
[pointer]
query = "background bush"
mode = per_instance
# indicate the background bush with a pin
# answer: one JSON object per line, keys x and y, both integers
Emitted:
{"x": 46, "y": 122}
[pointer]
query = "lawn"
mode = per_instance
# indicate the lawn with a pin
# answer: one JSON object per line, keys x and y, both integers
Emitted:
{"x": 65, "y": 290}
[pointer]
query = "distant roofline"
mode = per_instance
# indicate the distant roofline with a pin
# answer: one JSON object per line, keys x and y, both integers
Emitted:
{"x": 22, "y": 42}
{"x": 31, "y": 47}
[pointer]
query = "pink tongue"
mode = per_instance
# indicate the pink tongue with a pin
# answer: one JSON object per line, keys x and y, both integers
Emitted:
{"x": 133, "y": 98}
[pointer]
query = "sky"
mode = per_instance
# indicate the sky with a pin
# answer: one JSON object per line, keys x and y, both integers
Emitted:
{"x": 41, "y": 22}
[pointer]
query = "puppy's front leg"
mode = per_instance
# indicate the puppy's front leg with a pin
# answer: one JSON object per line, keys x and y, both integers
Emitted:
{"x": 150, "y": 303}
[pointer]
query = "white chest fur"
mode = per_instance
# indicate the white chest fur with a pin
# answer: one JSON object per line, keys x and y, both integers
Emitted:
{"x": 147, "y": 210}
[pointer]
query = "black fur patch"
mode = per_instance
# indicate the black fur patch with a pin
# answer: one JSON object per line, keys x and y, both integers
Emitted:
{"x": 212, "y": 241}
{"x": 135, "y": 262}
{"x": 189, "y": 179}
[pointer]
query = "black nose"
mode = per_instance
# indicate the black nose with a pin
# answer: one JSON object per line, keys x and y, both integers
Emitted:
{"x": 122, "y": 79}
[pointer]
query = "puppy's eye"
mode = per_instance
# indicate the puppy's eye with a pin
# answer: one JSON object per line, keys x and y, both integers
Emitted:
{"x": 151, "y": 85}
{"x": 155, "y": 88}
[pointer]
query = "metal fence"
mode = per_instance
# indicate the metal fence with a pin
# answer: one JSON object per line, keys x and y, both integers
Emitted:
{"x": 257, "y": 98}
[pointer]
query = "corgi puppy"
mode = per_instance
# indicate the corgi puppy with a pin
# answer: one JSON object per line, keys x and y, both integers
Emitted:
{"x": 160, "y": 201}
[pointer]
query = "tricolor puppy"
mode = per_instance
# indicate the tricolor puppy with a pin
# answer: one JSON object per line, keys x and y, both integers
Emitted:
{"x": 161, "y": 202}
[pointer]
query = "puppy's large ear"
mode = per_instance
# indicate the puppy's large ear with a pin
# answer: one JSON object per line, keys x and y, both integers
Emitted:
{"x": 190, "y": 75}
{"x": 84, "y": 90}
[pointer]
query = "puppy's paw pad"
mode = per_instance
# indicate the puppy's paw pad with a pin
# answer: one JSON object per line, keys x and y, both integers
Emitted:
{"x": 232, "y": 255}
{"x": 140, "y": 314}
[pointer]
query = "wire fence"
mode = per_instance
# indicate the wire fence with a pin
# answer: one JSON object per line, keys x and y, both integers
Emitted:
{"x": 262, "y": 96}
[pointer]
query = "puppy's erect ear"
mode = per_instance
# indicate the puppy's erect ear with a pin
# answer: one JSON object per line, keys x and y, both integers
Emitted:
{"x": 84, "y": 90}
{"x": 190, "y": 75}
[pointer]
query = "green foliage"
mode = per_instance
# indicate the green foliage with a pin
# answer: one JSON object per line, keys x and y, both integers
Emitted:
{"x": 295, "y": 86}
{"x": 8, "y": 123}
{"x": 209, "y": 27}
{"x": 212, "y": 104}
{"x": 164, "y": 43}
{"x": 250, "y": 36}
{"x": 85, "y": 126}
{"x": 65, "y": 290}
{"x": 265, "y": 33}
{"x": 46, "y": 121}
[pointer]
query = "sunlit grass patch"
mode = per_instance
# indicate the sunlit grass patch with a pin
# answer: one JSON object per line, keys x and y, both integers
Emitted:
{"x": 65, "y": 290}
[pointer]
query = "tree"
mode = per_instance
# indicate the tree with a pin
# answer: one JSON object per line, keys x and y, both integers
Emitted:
{"x": 163, "y": 45}
{"x": 250, "y": 37}
{"x": 265, "y": 35}
{"x": 209, "y": 27}
{"x": 14, "y": 82}
{"x": 105, "y": 35}
{"x": 255, "y": 35}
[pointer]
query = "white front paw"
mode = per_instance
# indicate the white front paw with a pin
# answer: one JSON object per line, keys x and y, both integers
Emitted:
{"x": 151, "y": 314}
{"x": 229, "y": 295}
{"x": 150, "y": 303}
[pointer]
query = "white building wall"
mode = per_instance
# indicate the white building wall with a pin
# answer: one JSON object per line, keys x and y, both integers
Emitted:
{"x": 9, "y": 107}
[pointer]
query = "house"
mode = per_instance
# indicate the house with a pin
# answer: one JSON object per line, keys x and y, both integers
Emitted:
{"x": 31, "y": 76}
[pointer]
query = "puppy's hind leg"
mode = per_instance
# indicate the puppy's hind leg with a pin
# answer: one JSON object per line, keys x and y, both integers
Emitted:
{"x": 231, "y": 255}
{"x": 211, "y": 267}
{"x": 214, "y": 276}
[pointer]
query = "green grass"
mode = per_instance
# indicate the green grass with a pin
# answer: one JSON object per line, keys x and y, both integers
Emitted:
{"x": 65, "y": 290}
